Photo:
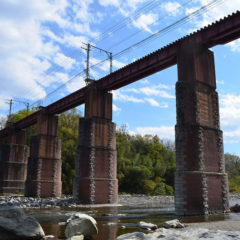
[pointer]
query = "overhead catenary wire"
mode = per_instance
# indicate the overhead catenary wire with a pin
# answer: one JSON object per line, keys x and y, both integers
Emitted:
{"x": 150, "y": 38}
{"x": 112, "y": 29}
{"x": 170, "y": 27}
{"x": 121, "y": 24}
{"x": 148, "y": 6}
{"x": 140, "y": 30}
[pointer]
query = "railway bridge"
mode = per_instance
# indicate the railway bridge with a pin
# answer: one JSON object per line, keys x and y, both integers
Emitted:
{"x": 201, "y": 184}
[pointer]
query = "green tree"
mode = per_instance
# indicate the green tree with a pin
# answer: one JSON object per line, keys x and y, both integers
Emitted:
{"x": 135, "y": 178}
{"x": 68, "y": 133}
{"x": 233, "y": 169}
{"x": 142, "y": 161}
{"x": 30, "y": 131}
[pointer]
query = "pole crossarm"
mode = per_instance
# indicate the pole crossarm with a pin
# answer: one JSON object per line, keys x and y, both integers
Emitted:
{"x": 220, "y": 32}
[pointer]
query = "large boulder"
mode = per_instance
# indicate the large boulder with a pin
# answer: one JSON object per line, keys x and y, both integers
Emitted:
{"x": 235, "y": 208}
{"x": 147, "y": 226}
{"x": 81, "y": 224}
{"x": 173, "y": 224}
{"x": 15, "y": 224}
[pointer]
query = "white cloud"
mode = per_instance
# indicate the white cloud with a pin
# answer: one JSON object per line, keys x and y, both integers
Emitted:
{"x": 24, "y": 55}
{"x": 214, "y": 13}
{"x": 133, "y": 90}
{"x": 56, "y": 77}
{"x": 229, "y": 109}
{"x": 154, "y": 91}
{"x": 145, "y": 20}
{"x": 4, "y": 102}
{"x": 189, "y": 11}
{"x": 134, "y": 3}
{"x": 118, "y": 64}
{"x": 152, "y": 102}
{"x": 81, "y": 9}
{"x": 232, "y": 136}
{"x": 29, "y": 46}
{"x": 74, "y": 41}
{"x": 129, "y": 6}
{"x": 235, "y": 45}
{"x": 163, "y": 132}
{"x": 230, "y": 117}
{"x": 64, "y": 61}
{"x": 116, "y": 109}
{"x": 117, "y": 95}
{"x": 145, "y": 81}
{"x": 220, "y": 82}
{"x": 149, "y": 91}
{"x": 105, "y": 66}
{"x": 172, "y": 8}
{"x": 75, "y": 84}
{"x": 106, "y": 3}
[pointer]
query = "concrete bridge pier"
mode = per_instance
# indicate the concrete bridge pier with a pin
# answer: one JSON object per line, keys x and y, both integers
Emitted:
{"x": 13, "y": 162}
{"x": 96, "y": 165}
{"x": 201, "y": 184}
{"x": 44, "y": 164}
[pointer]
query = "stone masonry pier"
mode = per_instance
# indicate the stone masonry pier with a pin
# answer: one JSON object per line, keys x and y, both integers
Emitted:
{"x": 201, "y": 184}
{"x": 96, "y": 163}
{"x": 44, "y": 163}
{"x": 13, "y": 163}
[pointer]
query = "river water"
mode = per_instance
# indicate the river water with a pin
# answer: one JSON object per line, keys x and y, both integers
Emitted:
{"x": 116, "y": 220}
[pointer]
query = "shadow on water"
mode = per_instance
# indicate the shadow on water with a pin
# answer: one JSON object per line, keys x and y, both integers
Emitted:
{"x": 114, "y": 221}
{"x": 111, "y": 221}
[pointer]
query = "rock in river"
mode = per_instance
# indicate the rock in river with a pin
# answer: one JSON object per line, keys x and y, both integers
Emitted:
{"x": 147, "y": 226}
{"x": 17, "y": 225}
{"x": 235, "y": 208}
{"x": 81, "y": 224}
{"x": 173, "y": 224}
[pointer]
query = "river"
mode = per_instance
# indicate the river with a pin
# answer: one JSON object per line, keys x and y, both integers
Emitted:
{"x": 116, "y": 220}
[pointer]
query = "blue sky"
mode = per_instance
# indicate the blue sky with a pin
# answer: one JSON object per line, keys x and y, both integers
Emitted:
{"x": 41, "y": 50}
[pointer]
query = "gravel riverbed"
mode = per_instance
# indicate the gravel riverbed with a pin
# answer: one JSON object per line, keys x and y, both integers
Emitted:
{"x": 68, "y": 201}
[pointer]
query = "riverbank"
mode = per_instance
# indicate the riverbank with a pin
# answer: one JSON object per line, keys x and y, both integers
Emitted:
{"x": 69, "y": 202}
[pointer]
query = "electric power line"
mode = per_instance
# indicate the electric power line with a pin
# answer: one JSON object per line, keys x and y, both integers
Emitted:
{"x": 153, "y": 36}
{"x": 170, "y": 27}
{"x": 123, "y": 23}
{"x": 128, "y": 18}
{"x": 106, "y": 33}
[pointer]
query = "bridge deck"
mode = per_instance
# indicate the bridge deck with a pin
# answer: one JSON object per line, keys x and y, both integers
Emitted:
{"x": 220, "y": 32}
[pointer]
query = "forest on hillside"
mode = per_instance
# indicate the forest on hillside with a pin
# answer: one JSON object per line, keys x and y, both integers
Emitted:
{"x": 145, "y": 164}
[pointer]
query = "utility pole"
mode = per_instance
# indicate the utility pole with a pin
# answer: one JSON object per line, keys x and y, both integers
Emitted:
{"x": 111, "y": 59}
{"x": 88, "y": 58}
{"x": 10, "y": 108}
{"x": 11, "y": 101}
{"x": 27, "y": 108}
{"x": 88, "y": 49}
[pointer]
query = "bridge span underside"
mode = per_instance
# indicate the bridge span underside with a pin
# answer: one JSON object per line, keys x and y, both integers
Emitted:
{"x": 201, "y": 184}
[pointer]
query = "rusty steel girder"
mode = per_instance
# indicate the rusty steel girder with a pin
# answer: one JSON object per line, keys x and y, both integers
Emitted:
{"x": 220, "y": 32}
